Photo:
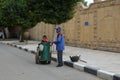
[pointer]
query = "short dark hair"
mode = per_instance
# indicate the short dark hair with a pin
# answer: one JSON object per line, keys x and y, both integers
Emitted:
{"x": 45, "y": 36}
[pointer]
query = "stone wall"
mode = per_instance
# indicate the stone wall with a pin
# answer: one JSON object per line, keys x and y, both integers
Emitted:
{"x": 95, "y": 27}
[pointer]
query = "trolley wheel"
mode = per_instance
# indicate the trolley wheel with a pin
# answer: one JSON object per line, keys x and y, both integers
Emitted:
{"x": 43, "y": 62}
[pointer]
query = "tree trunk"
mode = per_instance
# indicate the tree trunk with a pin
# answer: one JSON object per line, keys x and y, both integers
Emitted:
{"x": 7, "y": 34}
{"x": 22, "y": 35}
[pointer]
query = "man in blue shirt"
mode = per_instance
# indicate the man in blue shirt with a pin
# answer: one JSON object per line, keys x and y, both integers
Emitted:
{"x": 59, "y": 46}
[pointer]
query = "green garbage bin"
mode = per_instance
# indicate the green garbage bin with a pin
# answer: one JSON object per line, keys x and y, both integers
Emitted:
{"x": 44, "y": 55}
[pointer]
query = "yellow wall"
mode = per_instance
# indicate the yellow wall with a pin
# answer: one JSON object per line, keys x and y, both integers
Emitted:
{"x": 102, "y": 32}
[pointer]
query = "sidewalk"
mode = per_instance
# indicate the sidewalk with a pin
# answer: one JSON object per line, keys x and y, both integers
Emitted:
{"x": 100, "y": 63}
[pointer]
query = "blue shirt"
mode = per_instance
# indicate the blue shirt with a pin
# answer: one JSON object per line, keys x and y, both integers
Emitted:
{"x": 59, "y": 42}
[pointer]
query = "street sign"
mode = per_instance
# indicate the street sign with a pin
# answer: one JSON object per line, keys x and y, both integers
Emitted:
{"x": 86, "y": 23}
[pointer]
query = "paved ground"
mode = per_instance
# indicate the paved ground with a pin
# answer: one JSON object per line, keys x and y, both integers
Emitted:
{"x": 107, "y": 61}
{"x": 17, "y": 64}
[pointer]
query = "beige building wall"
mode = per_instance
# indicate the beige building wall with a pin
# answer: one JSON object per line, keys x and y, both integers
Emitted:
{"x": 41, "y": 29}
{"x": 95, "y": 27}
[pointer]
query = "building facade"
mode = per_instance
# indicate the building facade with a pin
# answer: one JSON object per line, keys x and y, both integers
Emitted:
{"x": 94, "y": 27}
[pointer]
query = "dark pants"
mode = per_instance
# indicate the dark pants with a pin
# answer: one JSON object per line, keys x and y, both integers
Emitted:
{"x": 60, "y": 57}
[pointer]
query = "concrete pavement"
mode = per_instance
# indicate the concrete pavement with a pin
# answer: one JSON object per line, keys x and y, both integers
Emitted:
{"x": 100, "y": 63}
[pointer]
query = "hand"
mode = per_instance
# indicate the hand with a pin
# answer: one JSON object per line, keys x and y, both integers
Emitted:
{"x": 51, "y": 43}
{"x": 39, "y": 43}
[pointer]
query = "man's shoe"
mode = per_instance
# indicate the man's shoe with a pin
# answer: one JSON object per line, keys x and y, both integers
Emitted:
{"x": 59, "y": 65}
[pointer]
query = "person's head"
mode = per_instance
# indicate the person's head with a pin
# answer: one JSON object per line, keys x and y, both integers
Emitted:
{"x": 58, "y": 29}
{"x": 44, "y": 36}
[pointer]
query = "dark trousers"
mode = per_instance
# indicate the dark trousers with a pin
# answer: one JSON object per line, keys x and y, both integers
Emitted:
{"x": 60, "y": 57}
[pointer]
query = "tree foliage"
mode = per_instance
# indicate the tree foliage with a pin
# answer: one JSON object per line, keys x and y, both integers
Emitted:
{"x": 26, "y": 13}
{"x": 53, "y": 11}
{"x": 57, "y": 11}
{"x": 84, "y": 2}
{"x": 16, "y": 13}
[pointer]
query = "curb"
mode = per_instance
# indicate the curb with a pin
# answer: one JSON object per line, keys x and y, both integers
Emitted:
{"x": 92, "y": 70}
{"x": 95, "y": 71}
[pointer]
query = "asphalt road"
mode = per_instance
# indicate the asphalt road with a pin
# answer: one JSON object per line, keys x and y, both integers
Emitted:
{"x": 17, "y": 64}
